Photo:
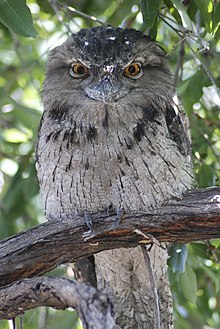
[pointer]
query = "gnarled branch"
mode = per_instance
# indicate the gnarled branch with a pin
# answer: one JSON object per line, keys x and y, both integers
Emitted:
{"x": 44, "y": 247}
{"x": 92, "y": 306}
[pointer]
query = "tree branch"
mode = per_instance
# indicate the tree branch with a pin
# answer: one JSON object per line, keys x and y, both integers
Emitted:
{"x": 92, "y": 306}
{"x": 46, "y": 246}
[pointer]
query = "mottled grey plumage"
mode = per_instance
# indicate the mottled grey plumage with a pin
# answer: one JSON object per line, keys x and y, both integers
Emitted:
{"x": 112, "y": 135}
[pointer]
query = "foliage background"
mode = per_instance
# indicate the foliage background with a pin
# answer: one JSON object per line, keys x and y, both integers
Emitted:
{"x": 189, "y": 31}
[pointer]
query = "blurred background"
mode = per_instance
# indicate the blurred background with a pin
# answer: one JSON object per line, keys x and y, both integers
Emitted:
{"x": 189, "y": 31}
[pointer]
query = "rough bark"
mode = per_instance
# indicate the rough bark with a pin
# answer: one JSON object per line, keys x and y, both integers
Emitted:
{"x": 195, "y": 217}
{"x": 124, "y": 276}
{"x": 92, "y": 306}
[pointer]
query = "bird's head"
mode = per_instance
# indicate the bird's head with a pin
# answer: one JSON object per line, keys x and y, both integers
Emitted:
{"x": 104, "y": 64}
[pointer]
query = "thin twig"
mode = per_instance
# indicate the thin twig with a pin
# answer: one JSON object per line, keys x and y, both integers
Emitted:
{"x": 178, "y": 31}
{"x": 180, "y": 27}
{"x": 14, "y": 323}
{"x": 42, "y": 318}
{"x": 189, "y": 34}
{"x": 21, "y": 321}
{"x": 73, "y": 10}
{"x": 153, "y": 287}
{"x": 80, "y": 13}
{"x": 206, "y": 70}
{"x": 214, "y": 252}
{"x": 56, "y": 7}
{"x": 148, "y": 239}
{"x": 179, "y": 65}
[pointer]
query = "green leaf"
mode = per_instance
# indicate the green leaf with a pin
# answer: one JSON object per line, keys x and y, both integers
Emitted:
{"x": 178, "y": 254}
{"x": 14, "y": 193}
{"x": 153, "y": 30}
{"x": 216, "y": 16}
{"x": 192, "y": 10}
{"x": 30, "y": 185}
{"x": 188, "y": 284}
{"x": 205, "y": 7}
{"x": 199, "y": 249}
{"x": 172, "y": 10}
{"x": 184, "y": 16}
{"x": 217, "y": 33}
{"x": 215, "y": 243}
{"x": 206, "y": 176}
{"x": 45, "y": 6}
{"x": 191, "y": 90}
{"x": 149, "y": 9}
{"x": 16, "y": 15}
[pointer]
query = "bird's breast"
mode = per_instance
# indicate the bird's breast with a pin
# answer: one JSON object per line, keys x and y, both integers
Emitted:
{"x": 111, "y": 163}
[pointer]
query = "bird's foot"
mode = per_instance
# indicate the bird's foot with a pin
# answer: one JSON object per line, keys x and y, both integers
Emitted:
{"x": 118, "y": 218}
{"x": 88, "y": 221}
{"x": 88, "y": 235}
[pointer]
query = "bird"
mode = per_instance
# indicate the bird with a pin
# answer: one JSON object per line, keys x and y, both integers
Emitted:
{"x": 114, "y": 138}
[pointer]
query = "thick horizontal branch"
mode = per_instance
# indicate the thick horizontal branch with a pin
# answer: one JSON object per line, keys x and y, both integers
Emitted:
{"x": 44, "y": 247}
{"x": 92, "y": 306}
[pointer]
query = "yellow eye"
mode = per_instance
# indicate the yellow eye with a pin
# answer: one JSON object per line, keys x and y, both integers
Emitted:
{"x": 79, "y": 70}
{"x": 133, "y": 71}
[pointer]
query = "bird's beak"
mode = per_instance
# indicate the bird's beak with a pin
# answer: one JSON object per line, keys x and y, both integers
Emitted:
{"x": 106, "y": 90}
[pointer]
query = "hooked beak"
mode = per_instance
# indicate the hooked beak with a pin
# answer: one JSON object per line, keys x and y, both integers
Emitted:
{"x": 108, "y": 89}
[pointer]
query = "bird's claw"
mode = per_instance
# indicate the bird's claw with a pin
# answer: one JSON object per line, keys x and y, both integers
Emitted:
{"x": 118, "y": 218}
{"x": 88, "y": 221}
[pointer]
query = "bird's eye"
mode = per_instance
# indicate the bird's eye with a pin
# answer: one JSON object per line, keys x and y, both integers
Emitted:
{"x": 79, "y": 70}
{"x": 133, "y": 71}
